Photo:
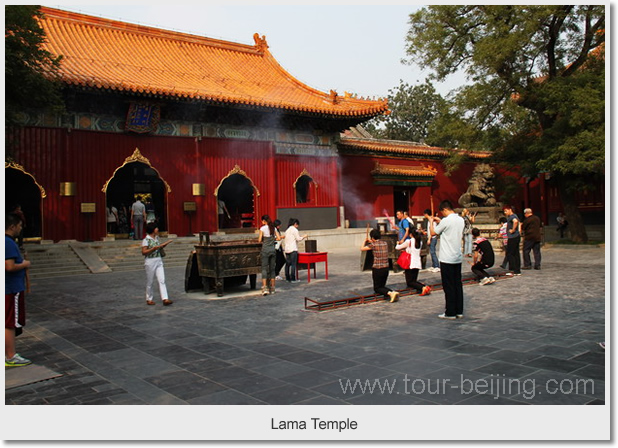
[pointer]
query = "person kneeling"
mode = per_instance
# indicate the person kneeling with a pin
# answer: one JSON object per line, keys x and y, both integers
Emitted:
{"x": 413, "y": 247}
{"x": 379, "y": 270}
{"x": 483, "y": 257}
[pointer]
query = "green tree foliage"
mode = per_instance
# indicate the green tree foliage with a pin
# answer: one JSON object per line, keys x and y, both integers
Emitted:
{"x": 30, "y": 71}
{"x": 536, "y": 94}
{"x": 413, "y": 110}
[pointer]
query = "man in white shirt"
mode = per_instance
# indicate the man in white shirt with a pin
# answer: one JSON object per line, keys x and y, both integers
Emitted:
{"x": 138, "y": 211}
{"x": 450, "y": 229}
{"x": 290, "y": 248}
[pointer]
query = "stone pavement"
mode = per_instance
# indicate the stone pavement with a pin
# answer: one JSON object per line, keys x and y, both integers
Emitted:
{"x": 527, "y": 340}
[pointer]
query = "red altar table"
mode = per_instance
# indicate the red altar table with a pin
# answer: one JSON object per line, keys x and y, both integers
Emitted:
{"x": 309, "y": 258}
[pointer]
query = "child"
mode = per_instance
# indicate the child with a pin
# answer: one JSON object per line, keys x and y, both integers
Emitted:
{"x": 413, "y": 247}
{"x": 379, "y": 271}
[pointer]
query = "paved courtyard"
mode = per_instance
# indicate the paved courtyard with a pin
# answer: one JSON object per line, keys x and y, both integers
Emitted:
{"x": 526, "y": 340}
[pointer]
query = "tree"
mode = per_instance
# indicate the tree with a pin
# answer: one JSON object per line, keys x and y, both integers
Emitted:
{"x": 413, "y": 110}
{"x": 30, "y": 71}
{"x": 537, "y": 86}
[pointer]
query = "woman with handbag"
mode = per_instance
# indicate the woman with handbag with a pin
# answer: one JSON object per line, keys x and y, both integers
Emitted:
{"x": 153, "y": 252}
{"x": 410, "y": 260}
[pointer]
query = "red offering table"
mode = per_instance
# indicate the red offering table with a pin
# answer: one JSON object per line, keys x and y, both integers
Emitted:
{"x": 312, "y": 257}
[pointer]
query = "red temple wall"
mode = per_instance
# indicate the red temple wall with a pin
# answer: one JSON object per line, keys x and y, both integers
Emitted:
{"x": 88, "y": 158}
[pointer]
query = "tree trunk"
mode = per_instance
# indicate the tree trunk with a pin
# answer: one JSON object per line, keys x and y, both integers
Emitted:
{"x": 576, "y": 223}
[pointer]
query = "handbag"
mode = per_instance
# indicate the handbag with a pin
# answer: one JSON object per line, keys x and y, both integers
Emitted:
{"x": 404, "y": 260}
{"x": 162, "y": 252}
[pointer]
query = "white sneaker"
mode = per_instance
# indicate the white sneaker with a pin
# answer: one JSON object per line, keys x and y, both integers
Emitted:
{"x": 484, "y": 281}
{"x": 436, "y": 269}
{"x": 278, "y": 277}
{"x": 444, "y": 316}
{"x": 509, "y": 274}
{"x": 492, "y": 280}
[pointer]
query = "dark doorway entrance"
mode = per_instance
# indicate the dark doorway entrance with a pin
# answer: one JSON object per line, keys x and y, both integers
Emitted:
{"x": 402, "y": 197}
{"x": 238, "y": 194}
{"x": 133, "y": 180}
{"x": 21, "y": 189}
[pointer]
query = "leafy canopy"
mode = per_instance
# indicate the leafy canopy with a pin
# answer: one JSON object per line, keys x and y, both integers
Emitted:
{"x": 536, "y": 94}
{"x": 30, "y": 71}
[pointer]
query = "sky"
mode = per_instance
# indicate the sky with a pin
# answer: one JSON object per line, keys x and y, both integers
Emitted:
{"x": 346, "y": 48}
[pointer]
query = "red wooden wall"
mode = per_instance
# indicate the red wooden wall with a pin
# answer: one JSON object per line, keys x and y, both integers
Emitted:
{"x": 89, "y": 159}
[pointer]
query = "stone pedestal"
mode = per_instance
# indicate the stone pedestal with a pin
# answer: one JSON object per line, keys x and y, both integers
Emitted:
{"x": 485, "y": 215}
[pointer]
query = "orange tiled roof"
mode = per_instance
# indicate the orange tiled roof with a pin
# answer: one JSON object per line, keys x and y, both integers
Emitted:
{"x": 107, "y": 54}
{"x": 407, "y": 171}
{"x": 403, "y": 148}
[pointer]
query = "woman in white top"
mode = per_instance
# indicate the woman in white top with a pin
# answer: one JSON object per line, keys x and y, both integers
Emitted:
{"x": 290, "y": 243}
{"x": 413, "y": 247}
{"x": 268, "y": 237}
{"x": 151, "y": 250}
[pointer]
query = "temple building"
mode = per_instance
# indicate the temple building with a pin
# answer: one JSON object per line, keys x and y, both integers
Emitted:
{"x": 190, "y": 123}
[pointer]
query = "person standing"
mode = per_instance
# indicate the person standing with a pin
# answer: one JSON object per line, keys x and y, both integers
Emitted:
{"x": 562, "y": 224}
{"x": 450, "y": 230}
{"x": 483, "y": 257}
{"x": 403, "y": 229}
{"x": 514, "y": 238}
{"x": 502, "y": 236}
{"x": 468, "y": 221}
{"x": 268, "y": 238}
{"x": 280, "y": 259}
{"x": 223, "y": 212}
{"x": 151, "y": 249}
{"x": 433, "y": 241}
{"x": 413, "y": 247}
{"x": 532, "y": 239}
{"x": 112, "y": 219}
{"x": 14, "y": 287}
{"x": 379, "y": 270}
{"x": 138, "y": 211}
{"x": 150, "y": 212}
{"x": 290, "y": 243}
{"x": 19, "y": 212}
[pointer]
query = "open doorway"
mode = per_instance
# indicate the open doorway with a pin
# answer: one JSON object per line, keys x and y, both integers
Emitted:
{"x": 238, "y": 195}
{"x": 305, "y": 187}
{"x": 402, "y": 198}
{"x": 135, "y": 180}
{"x": 21, "y": 189}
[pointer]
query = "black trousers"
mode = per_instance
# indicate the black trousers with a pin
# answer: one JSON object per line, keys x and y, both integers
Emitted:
{"x": 291, "y": 260}
{"x": 479, "y": 270}
{"x": 535, "y": 247}
{"x": 411, "y": 279}
{"x": 379, "y": 281}
{"x": 280, "y": 262}
{"x": 512, "y": 254}
{"x": 453, "y": 289}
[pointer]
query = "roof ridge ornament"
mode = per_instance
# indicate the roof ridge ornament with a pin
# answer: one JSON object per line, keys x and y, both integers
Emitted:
{"x": 260, "y": 42}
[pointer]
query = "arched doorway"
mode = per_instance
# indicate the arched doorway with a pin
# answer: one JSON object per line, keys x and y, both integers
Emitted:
{"x": 238, "y": 194}
{"x": 21, "y": 189}
{"x": 136, "y": 178}
{"x": 305, "y": 188}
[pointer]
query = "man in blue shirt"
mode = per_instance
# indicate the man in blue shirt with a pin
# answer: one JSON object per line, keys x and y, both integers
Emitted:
{"x": 514, "y": 238}
{"x": 14, "y": 286}
{"x": 403, "y": 232}
{"x": 450, "y": 229}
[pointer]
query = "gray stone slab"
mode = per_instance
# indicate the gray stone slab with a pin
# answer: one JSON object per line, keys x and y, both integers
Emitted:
{"x": 90, "y": 258}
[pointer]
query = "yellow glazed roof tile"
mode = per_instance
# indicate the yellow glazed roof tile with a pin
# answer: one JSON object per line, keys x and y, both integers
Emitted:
{"x": 403, "y": 148}
{"x": 106, "y": 54}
